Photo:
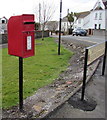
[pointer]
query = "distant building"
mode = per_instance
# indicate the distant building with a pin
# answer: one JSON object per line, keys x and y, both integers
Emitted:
{"x": 65, "y": 24}
{"x": 82, "y": 20}
{"x": 3, "y": 25}
{"x": 96, "y": 19}
{"x": 51, "y": 25}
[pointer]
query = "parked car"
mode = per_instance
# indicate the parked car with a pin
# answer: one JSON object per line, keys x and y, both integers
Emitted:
{"x": 80, "y": 32}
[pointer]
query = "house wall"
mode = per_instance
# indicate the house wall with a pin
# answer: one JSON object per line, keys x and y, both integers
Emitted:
{"x": 97, "y": 21}
{"x": 3, "y": 26}
{"x": 79, "y": 23}
{"x": 65, "y": 26}
{"x": 86, "y": 22}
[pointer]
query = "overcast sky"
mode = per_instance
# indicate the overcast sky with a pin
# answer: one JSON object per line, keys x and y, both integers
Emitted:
{"x": 17, "y": 7}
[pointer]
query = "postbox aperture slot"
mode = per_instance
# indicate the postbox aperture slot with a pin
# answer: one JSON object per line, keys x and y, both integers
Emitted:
{"x": 29, "y": 22}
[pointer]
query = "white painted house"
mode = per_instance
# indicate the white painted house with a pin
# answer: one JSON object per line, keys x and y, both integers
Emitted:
{"x": 3, "y": 25}
{"x": 98, "y": 14}
{"x": 95, "y": 19}
{"x": 82, "y": 21}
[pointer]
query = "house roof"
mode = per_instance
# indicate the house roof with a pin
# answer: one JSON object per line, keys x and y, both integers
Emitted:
{"x": 99, "y": 8}
{"x": 65, "y": 19}
{"x": 4, "y": 18}
{"x": 51, "y": 22}
{"x": 83, "y": 14}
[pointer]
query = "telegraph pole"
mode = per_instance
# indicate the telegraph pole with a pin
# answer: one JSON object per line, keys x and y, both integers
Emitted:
{"x": 67, "y": 21}
{"x": 60, "y": 27}
{"x": 39, "y": 14}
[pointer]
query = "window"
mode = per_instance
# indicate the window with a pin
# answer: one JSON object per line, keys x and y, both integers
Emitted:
{"x": 100, "y": 16}
{"x": 3, "y": 21}
{"x": 99, "y": 26}
{"x": 96, "y": 15}
{"x": 95, "y": 26}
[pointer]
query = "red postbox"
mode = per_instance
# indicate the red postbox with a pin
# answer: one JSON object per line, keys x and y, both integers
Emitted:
{"x": 21, "y": 35}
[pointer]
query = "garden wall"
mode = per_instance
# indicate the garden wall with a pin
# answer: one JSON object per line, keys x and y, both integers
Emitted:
{"x": 3, "y": 38}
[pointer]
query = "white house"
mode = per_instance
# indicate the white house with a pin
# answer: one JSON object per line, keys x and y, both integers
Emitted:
{"x": 65, "y": 25}
{"x": 98, "y": 14}
{"x": 3, "y": 25}
{"x": 96, "y": 19}
{"x": 82, "y": 20}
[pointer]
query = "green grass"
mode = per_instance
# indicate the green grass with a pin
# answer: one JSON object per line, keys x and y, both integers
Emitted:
{"x": 39, "y": 70}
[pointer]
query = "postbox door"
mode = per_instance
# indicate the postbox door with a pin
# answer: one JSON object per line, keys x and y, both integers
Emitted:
{"x": 28, "y": 44}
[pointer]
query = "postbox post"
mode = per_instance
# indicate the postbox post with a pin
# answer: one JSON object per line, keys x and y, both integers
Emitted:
{"x": 20, "y": 83}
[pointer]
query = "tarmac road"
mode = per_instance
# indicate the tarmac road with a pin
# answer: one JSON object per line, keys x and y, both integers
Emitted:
{"x": 95, "y": 89}
{"x": 84, "y": 39}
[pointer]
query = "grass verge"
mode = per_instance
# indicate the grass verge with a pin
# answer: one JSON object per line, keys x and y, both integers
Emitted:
{"x": 39, "y": 70}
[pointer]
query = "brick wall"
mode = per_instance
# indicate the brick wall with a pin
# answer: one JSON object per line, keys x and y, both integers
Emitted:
{"x": 38, "y": 34}
{"x": 99, "y": 32}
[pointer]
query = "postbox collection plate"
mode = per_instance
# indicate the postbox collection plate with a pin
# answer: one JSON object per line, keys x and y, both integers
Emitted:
{"x": 29, "y": 42}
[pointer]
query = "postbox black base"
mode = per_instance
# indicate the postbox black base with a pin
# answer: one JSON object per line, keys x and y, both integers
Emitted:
{"x": 86, "y": 105}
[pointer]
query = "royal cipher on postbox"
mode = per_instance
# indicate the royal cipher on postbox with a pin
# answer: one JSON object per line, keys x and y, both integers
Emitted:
{"x": 21, "y": 35}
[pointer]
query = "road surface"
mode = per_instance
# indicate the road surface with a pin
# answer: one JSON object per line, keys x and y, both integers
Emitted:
{"x": 91, "y": 39}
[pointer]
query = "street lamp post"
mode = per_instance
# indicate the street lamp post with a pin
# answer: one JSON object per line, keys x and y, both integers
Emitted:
{"x": 60, "y": 27}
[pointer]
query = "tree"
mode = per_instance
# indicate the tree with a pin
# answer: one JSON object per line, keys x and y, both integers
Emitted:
{"x": 52, "y": 25}
{"x": 37, "y": 26}
{"x": 70, "y": 17}
{"x": 46, "y": 12}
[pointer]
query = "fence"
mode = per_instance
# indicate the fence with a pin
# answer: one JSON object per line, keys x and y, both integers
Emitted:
{"x": 38, "y": 34}
{"x": 99, "y": 32}
{"x": 92, "y": 54}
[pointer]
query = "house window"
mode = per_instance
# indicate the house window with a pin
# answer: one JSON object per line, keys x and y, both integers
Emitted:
{"x": 96, "y": 15}
{"x": 100, "y": 16}
{"x": 99, "y": 26}
{"x": 3, "y": 21}
{"x": 95, "y": 26}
